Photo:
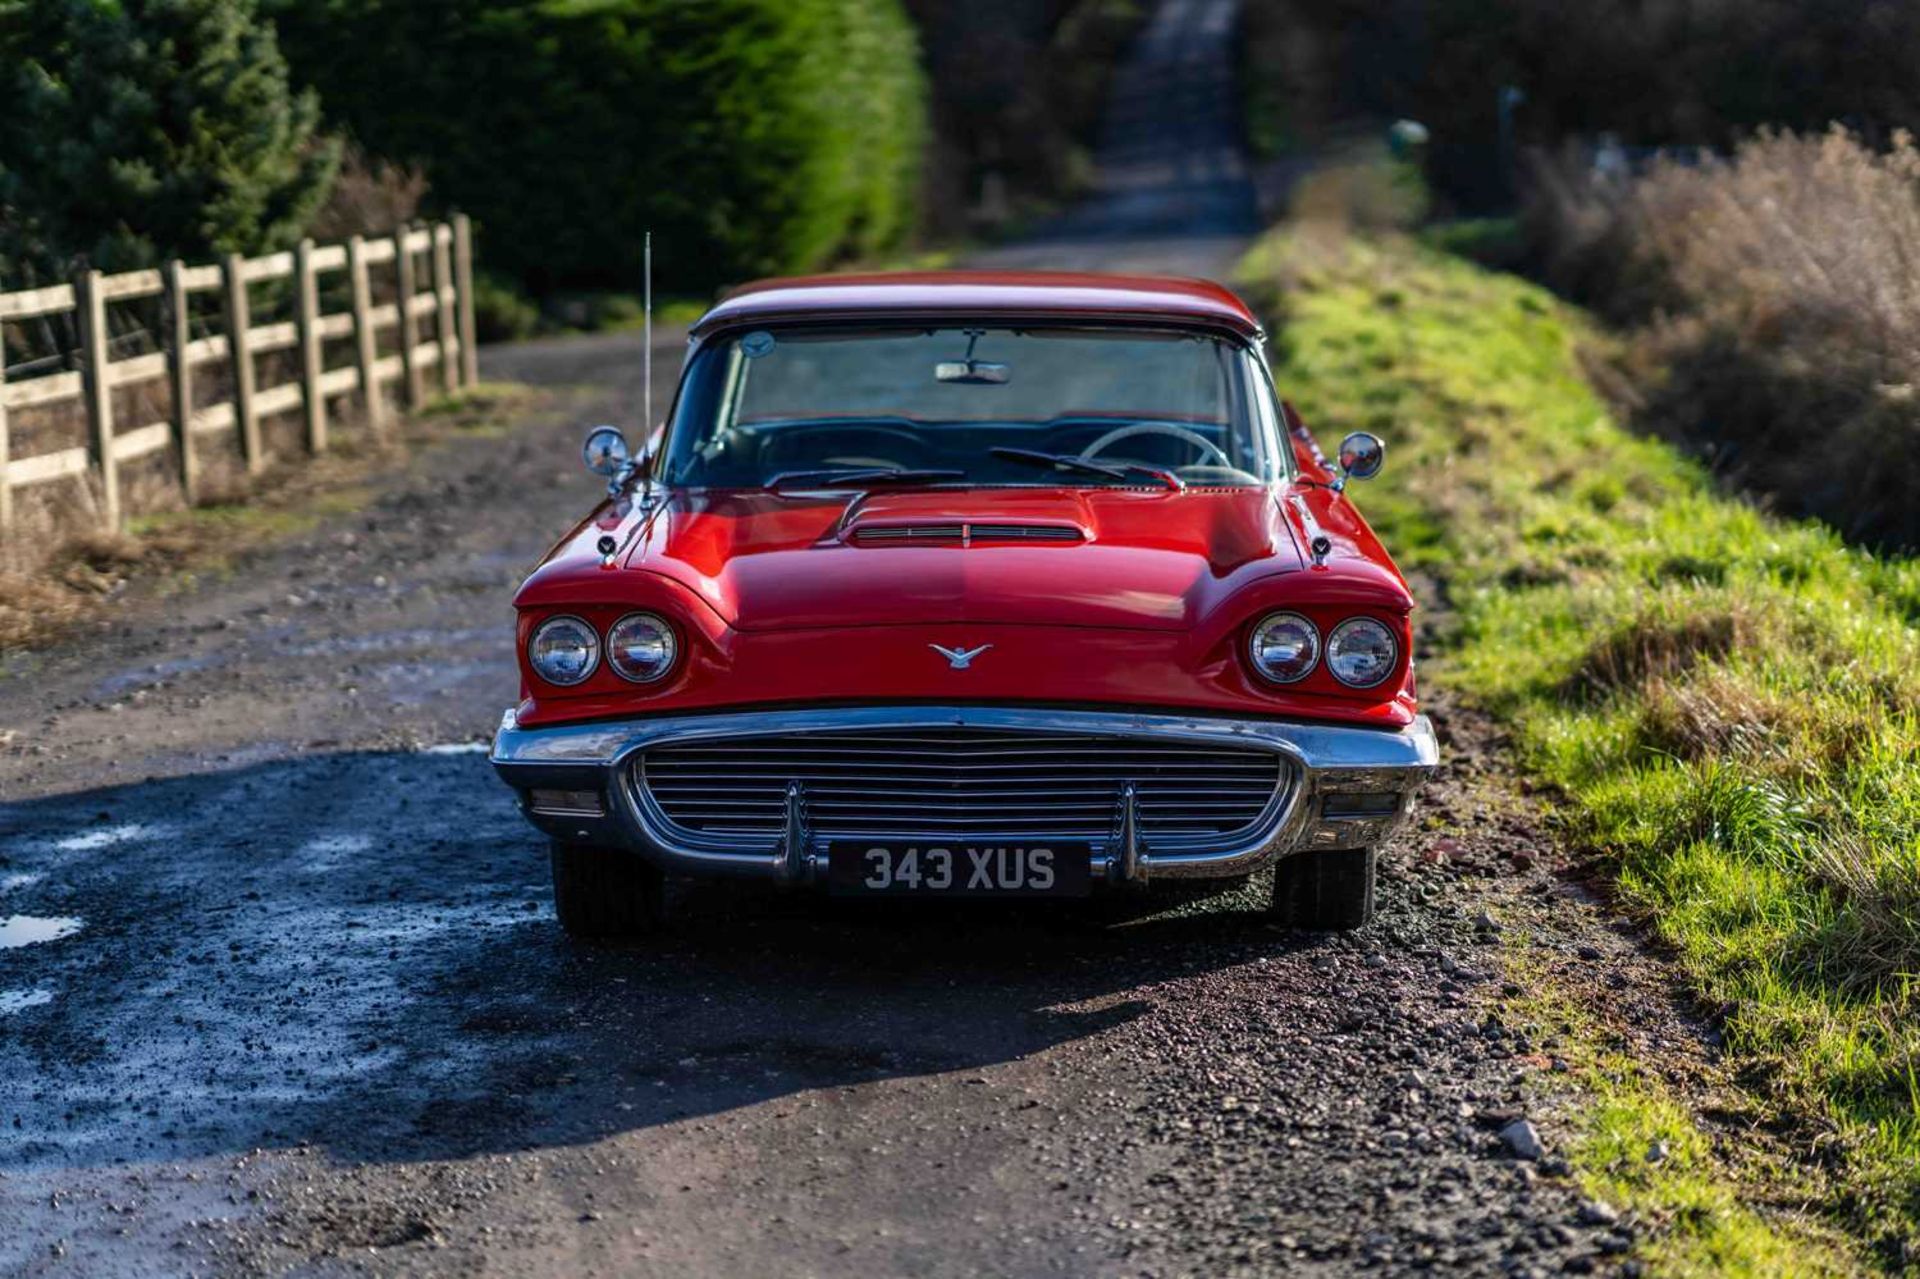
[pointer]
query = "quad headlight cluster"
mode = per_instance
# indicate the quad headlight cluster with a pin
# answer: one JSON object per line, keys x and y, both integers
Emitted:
{"x": 564, "y": 650}
{"x": 1361, "y": 652}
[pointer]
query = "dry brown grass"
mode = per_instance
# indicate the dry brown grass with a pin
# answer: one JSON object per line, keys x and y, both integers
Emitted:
{"x": 1775, "y": 304}
{"x": 1714, "y": 714}
{"x": 1881, "y": 922}
{"x": 1658, "y": 645}
{"x": 64, "y": 571}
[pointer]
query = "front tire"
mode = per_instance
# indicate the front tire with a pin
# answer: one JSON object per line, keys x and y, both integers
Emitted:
{"x": 1325, "y": 891}
{"x": 605, "y": 893}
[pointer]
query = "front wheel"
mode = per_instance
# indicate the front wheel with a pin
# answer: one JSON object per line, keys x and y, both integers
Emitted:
{"x": 1325, "y": 891}
{"x": 606, "y": 893}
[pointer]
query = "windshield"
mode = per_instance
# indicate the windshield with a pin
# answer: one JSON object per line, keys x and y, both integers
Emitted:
{"x": 963, "y": 405}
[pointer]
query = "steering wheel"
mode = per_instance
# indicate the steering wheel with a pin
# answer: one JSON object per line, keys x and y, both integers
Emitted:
{"x": 861, "y": 438}
{"x": 1199, "y": 441}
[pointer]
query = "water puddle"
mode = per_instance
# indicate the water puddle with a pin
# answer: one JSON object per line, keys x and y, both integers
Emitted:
{"x": 336, "y": 845}
{"x": 13, "y": 1001}
{"x": 25, "y": 930}
{"x": 390, "y": 641}
{"x": 96, "y": 839}
{"x": 158, "y": 672}
{"x": 331, "y": 852}
{"x": 423, "y": 683}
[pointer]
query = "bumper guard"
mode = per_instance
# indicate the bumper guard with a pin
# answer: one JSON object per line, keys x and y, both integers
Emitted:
{"x": 1347, "y": 787}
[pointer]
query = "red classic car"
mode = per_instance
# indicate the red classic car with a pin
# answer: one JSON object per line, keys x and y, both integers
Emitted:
{"x": 964, "y": 584}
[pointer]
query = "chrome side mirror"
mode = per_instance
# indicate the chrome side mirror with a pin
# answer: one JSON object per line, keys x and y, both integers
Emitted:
{"x": 606, "y": 451}
{"x": 1361, "y": 456}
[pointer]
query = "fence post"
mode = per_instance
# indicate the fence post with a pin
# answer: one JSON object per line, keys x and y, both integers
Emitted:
{"x": 365, "y": 351}
{"x": 99, "y": 391}
{"x": 307, "y": 323}
{"x": 463, "y": 285}
{"x": 181, "y": 368}
{"x": 6, "y": 486}
{"x": 409, "y": 330}
{"x": 442, "y": 312}
{"x": 239, "y": 320}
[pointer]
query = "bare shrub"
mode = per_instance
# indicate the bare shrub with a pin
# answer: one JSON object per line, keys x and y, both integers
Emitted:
{"x": 1775, "y": 297}
{"x": 370, "y": 196}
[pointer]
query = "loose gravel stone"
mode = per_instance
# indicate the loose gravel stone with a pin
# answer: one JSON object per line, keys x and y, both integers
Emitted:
{"x": 1523, "y": 1140}
{"x": 1593, "y": 1212}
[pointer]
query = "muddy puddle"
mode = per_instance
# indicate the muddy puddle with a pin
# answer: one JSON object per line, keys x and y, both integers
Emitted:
{"x": 27, "y": 930}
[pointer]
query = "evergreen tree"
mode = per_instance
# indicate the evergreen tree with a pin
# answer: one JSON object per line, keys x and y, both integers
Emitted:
{"x": 136, "y": 130}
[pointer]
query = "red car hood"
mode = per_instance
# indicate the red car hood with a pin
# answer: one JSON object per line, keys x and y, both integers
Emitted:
{"x": 1146, "y": 559}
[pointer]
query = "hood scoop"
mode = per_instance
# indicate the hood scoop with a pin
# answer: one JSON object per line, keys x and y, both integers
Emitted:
{"x": 952, "y": 533}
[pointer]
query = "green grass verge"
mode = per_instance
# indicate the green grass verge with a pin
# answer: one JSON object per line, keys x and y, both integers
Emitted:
{"x": 1731, "y": 1208}
{"x": 1729, "y": 704}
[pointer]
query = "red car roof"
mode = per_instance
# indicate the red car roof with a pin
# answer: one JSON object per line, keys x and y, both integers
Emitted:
{"x": 986, "y": 294}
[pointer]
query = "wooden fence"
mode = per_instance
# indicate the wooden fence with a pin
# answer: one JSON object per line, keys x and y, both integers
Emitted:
{"x": 447, "y": 300}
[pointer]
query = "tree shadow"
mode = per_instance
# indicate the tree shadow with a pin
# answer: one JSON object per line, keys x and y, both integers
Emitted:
{"x": 356, "y": 950}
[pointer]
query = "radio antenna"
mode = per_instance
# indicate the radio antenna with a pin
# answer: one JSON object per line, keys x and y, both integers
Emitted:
{"x": 647, "y": 336}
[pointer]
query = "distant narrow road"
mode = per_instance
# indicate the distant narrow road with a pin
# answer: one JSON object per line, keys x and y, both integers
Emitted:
{"x": 1171, "y": 193}
{"x": 281, "y": 991}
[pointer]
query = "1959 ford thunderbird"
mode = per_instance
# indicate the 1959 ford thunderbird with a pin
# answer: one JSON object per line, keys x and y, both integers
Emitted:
{"x": 990, "y": 585}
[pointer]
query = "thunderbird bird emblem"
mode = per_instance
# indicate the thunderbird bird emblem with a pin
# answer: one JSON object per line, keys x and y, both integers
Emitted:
{"x": 959, "y": 658}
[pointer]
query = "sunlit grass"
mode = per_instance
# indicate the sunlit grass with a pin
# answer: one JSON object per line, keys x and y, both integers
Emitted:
{"x": 1730, "y": 703}
{"x": 1636, "y": 1146}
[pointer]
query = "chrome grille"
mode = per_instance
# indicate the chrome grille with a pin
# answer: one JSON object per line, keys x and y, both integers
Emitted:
{"x": 963, "y": 534}
{"x": 1023, "y": 533}
{"x": 901, "y": 534}
{"x": 954, "y": 783}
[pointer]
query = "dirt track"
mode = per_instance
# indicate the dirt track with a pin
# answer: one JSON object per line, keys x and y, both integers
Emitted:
{"x": 314, "y": 1014}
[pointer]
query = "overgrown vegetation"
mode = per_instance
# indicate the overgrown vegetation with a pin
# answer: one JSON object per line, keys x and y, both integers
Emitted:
{"x": 1728, "y": 703}
{"x": 1655, "y": 73}
{"x": 1773, "y": 303}
{"x": 752, "y": 136}
{"x": 144, "y": 129}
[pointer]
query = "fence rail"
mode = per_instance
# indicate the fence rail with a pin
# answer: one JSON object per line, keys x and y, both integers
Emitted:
{"x": 446, "y": 301}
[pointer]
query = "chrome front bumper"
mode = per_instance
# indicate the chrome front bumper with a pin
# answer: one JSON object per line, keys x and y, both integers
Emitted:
{"x": 1345, "y": 787}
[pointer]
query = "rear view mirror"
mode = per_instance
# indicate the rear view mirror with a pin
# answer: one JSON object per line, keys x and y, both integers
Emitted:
{"x": 606, "y": 451}
{"x": 1361, "y": 457}
{"x": 972, "y": 372}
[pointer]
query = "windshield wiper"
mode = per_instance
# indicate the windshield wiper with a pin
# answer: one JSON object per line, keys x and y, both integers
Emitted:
{"x": 862, "y": 475}
{"x": 1066, "y": 461}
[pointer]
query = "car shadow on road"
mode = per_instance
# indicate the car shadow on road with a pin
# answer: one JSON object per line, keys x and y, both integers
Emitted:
{"x": 357, "y": 950}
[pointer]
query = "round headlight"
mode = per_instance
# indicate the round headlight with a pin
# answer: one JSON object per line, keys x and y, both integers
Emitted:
{"x": 563, "y": 650}
{"x": 1361, "y": 652}
{"x": 1285, "y": 646}
{"x": 640, "y": 648}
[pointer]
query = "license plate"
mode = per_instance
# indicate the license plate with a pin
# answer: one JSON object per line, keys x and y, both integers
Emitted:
{"x": 859, "y": 869}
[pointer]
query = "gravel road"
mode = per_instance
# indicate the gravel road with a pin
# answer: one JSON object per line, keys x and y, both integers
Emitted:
{"x": 281, "y": 990}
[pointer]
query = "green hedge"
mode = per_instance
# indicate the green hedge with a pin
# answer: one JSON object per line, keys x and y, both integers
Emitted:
{"x": 752, "y": 136}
